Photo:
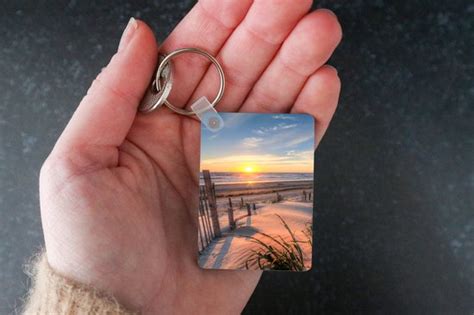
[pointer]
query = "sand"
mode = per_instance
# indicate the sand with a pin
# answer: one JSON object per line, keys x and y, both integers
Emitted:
{"x": 233, "y": 249}
{"x": 254, "y": 188}
{"x": 258, "y": 193}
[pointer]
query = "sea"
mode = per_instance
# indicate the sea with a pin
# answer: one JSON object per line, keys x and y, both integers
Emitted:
{"x": 220, "y": 178}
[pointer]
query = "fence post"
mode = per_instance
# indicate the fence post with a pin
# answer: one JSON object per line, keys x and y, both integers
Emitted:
{"x": 230, "y": 213}
{"x": 205, "y": 212}
{"x": 211, "y": 197}
{"x": 248, "y": 209}
{"x": 304, "y": 195}
{"x": 241, "y": 202}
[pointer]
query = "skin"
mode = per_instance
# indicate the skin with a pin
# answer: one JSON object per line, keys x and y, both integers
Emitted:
{"x": 119, "y": 191}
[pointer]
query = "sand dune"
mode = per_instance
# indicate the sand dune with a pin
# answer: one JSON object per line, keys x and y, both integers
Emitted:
{"x": 233, "y": 249}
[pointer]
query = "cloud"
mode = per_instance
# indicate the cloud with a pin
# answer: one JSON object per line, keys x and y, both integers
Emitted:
{"x": 284, "y": 117}
{"x": 251, "y": 142}
{"x": 298, "y": 158}
{"x": 280, "y": 126}
{"x": 283, "y": 139}
{"x": 298, "y": 140}
{"x": 302, "y": 155}
{"x": 298, "y": 161}
{"x": 284, "y": 126}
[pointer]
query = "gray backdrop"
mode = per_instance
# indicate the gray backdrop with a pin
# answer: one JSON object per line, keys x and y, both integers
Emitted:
{"x": 394, "y": 223}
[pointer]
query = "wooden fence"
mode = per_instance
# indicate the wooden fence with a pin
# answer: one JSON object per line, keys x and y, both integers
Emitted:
{"x": 230, "y": 212}
{"x": 307, "y": 196}
{"x": 205, "y": 229}
{"x": 208, "y": 219}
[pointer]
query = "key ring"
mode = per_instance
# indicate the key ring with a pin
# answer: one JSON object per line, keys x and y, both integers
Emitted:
{"x": 167, "y": 59}
{"x": 154, "y": 97}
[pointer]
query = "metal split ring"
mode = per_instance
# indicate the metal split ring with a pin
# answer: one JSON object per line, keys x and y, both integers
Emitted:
{"x": 155, "y": 97}
{"x": 162, "y": 89}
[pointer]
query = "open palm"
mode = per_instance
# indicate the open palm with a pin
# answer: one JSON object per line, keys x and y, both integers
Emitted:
{"x": 119, "y": 192}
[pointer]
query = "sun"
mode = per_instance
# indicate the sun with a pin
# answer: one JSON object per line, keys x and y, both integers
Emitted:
{"x": 248, "y": 169}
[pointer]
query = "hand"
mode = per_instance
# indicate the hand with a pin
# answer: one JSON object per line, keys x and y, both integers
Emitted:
{"x": 119, "y": 191}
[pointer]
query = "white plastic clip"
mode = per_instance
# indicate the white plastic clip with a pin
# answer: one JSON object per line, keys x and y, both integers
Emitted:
{"x": 207, "y": 114}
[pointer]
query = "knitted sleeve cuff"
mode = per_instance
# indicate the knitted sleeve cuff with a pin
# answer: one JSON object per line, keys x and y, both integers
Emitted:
{"x": 51, "y": 293}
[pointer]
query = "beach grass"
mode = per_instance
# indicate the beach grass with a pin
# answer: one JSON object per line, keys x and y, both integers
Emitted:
{"x": 308, "y": 232}
{"x": 285, "y": 255}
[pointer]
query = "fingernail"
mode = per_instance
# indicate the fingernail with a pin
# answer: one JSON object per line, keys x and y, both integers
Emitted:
{"x": 332, "y": 67}
{"x": 328, "y": 11}
{"x": 128, "y": 34}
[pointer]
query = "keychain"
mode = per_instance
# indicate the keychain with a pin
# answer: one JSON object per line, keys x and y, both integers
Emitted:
{"x": 256, "y": 180}
{"x": 160, "y": 89}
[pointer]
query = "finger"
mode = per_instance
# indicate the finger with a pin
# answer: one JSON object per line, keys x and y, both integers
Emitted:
{"x": 319, "y": 98}
{"x": 250, "y": 49}
{"x": 207, "y": 26}
{"x": 306, "y": 49}
{"x": 106, "y": 113}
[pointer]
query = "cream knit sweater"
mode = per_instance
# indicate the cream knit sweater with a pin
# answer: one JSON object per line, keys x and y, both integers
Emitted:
{"x": 53, "y": 294}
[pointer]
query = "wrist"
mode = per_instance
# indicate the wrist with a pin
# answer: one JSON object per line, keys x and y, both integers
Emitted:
{"x": 86, "y": 273}
{"x": 52, "y": 293}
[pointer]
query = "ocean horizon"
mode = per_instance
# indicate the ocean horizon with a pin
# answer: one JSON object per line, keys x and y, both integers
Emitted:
{"x": 257, "y": 177}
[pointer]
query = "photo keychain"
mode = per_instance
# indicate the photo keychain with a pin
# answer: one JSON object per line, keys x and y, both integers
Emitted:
{"x": 256, "y": 180}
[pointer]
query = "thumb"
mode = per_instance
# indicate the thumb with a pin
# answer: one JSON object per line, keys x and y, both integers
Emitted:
{"x": 105, "y": 115}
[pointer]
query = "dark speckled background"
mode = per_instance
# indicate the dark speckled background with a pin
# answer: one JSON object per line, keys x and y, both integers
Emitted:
{"x": 395, "y": 200}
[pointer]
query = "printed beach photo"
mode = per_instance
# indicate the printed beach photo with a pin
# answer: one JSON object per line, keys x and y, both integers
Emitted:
{"x": 256, "y": 193}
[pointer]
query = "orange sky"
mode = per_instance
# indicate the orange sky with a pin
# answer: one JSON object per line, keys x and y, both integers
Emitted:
{"x": 301, "y": 163}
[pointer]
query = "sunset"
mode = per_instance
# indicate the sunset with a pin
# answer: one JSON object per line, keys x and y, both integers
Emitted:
{"x": 249, "y": 169}
{"x": 256, "y": 193}
{"x": 260, "y": 143}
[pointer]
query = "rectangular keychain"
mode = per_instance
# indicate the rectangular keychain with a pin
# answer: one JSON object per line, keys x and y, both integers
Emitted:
{"x": 256, "y": 195}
